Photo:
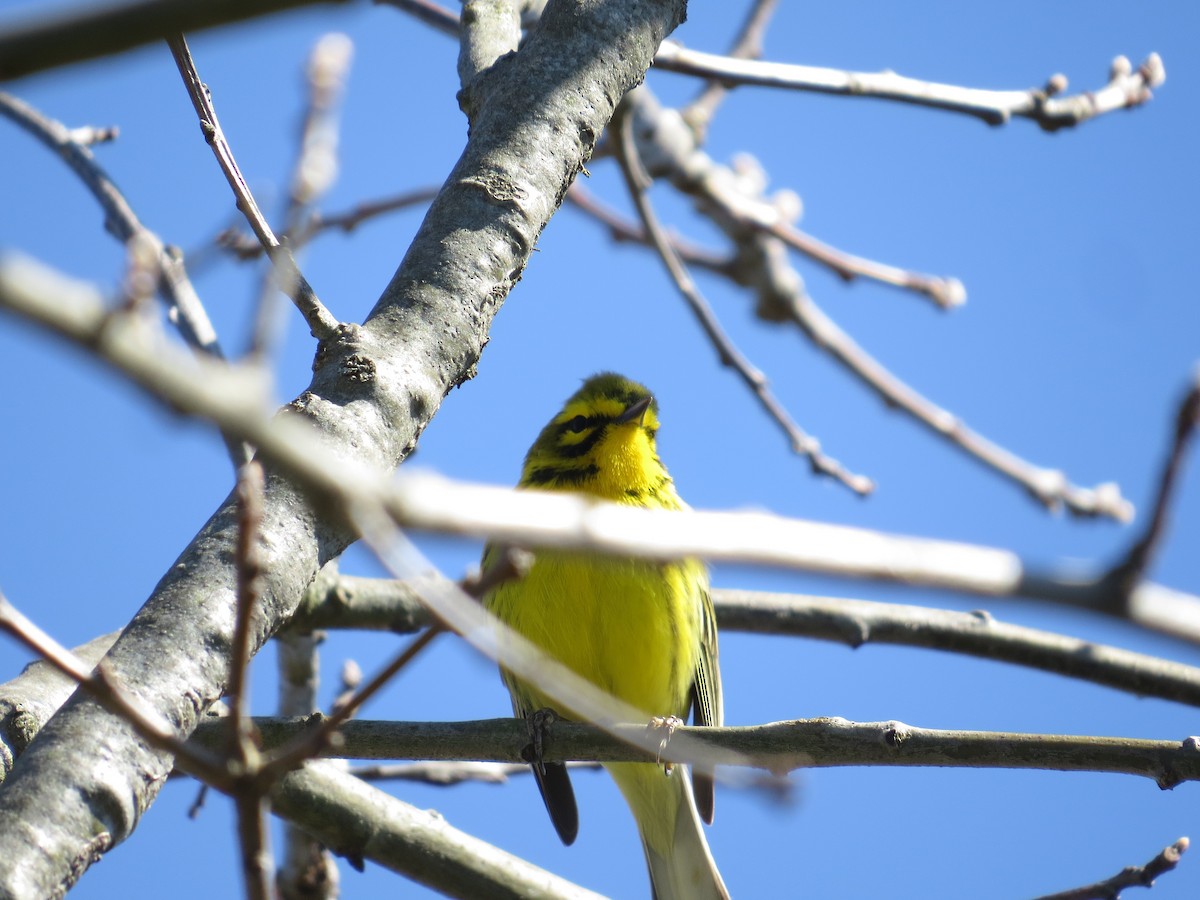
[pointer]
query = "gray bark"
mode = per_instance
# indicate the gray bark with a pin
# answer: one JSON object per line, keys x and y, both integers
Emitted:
{"x": 85, "y": 781}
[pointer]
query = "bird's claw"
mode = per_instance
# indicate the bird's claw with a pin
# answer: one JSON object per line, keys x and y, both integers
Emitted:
{"x": 667, "y": 725}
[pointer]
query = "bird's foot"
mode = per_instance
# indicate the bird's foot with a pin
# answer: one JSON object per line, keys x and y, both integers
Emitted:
{"x": 667, "y": 725}
{"x": 538, "y": 723}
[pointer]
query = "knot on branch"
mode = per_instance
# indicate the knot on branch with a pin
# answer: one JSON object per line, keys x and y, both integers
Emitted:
{"x": 895, "y": 734}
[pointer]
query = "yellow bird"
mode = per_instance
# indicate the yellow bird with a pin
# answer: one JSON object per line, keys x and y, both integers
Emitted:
{"x": 642, "y": 631}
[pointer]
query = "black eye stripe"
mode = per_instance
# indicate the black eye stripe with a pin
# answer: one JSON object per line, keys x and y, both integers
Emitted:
{"x": 579, "y": 448}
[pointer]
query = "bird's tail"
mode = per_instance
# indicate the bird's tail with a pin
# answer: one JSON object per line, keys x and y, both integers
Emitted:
{"x": 681, "y": 865}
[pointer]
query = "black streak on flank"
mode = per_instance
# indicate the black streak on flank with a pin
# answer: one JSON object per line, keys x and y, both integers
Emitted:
{"x": 562, "y": 475}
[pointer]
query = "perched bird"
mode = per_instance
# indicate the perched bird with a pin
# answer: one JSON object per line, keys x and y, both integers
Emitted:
{"x": 643, "y": 631}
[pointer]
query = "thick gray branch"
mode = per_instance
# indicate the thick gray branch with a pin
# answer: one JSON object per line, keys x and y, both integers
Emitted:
{"x": 84, "y": 783}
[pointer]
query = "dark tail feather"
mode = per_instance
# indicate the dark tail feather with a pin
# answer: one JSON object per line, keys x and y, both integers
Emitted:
{"x": 554, "y": 783}
{"x": 704, "y": 789}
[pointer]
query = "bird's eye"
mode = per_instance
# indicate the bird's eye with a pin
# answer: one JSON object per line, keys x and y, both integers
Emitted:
{"x": 577, "y": 424}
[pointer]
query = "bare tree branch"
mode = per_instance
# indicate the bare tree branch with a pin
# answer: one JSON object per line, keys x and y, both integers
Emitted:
{"x": 347, "y": 601}
{"x": 777, "y": 747}
{"x": 361, "y": 822}
{"x": 947, "y": 293}
{"x": 184, "y": 307}
{"x": 747, "y": 45}
{"x": 1130, "y": 876}
{"x": 1132, "y": 569}
{"x": 245, "y": 247}
{"x": 99, "y": 682}
{"x": 321, "y": 322}
{"x": 34, "y": 44}
{"x": 366, "y": 398}
{"x": 668, "y": 149}
{"x": 728, "y": 354}
{"x": 1126, "y": 87}
{"x": 307, "y": 870}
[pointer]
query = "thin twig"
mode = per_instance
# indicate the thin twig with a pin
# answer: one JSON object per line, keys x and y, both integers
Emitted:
{"x": 508, "y": 565}
{"x": 250, "y": 577}
{"x": 320, "y": 321}
{"x": 747, "y": 45}
{"x": 253, "y": 842}
{"x": 945, "y": 292}
{"x": 447, "y": 773}
{"x": 184, "y": 307}
{"x": 245, "y": 247}
{"x": 670, "y": 149}
{"x": 226, "y": 395}
{"x": 103, "y": 687}
{"x": 1132, "y": 569}
{"x": 1126, "y": 87}
{"x": 1049, "y": 487}
{"x": 623, "y": 230}
{"x": 312, "y": 175}
{"x": 314, "y": 740}
{"x": 1130, "y": 876}
{"x": 729, "y": 355}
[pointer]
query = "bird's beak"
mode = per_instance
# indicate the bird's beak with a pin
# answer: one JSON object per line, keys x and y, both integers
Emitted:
{"x": 635, "y": 411}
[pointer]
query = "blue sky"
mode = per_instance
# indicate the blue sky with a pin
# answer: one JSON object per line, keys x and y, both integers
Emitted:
{"x": 1078, "y": 253}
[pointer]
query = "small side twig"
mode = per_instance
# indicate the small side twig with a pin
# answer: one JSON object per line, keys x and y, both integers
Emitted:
{"x": 747, "y": 45}
{"x": 1130, "y": 876}
{"x": 621, "y": 229}
{"x": 184, "y": 307}
{"x": 947, "y": 293}
{"x": 1126, "y": 87}
{"x": 249, "y": 797}
{"x": 1131, "y": 570}
{"x": 104, "y": 688}
{"x": 1049, "y": 487}
{"x": 243, "y": 246}
{"x": 321, "y": 322}
{"x": 313, "y": 174}
{"x": 802, "y": 443}
{"x": 447, "y": 773}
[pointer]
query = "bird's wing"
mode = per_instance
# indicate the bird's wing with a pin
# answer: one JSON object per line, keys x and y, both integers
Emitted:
{"x": 707, "y": 705}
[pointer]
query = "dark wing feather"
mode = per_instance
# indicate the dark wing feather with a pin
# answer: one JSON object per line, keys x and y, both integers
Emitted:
{"x": 553, "y": 780}
{"x": 707, "y": 705}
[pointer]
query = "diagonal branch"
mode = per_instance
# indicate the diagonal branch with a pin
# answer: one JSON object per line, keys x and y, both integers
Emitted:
{"x": 747, "y": 45}
{"x": 947, "y": 293}
{"x": 1132, "y": 569}
{"x": 669, "y": 150}
{"x": 1130, "y": 876}
{"x": 1126, "y": 87}
{"x": 184, "y": 307}
{"x": 243, "y": 246}
{"x": 728, "y": 354}
{"x": 1050, "y": 487}
{"x": 320, "y": 321}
